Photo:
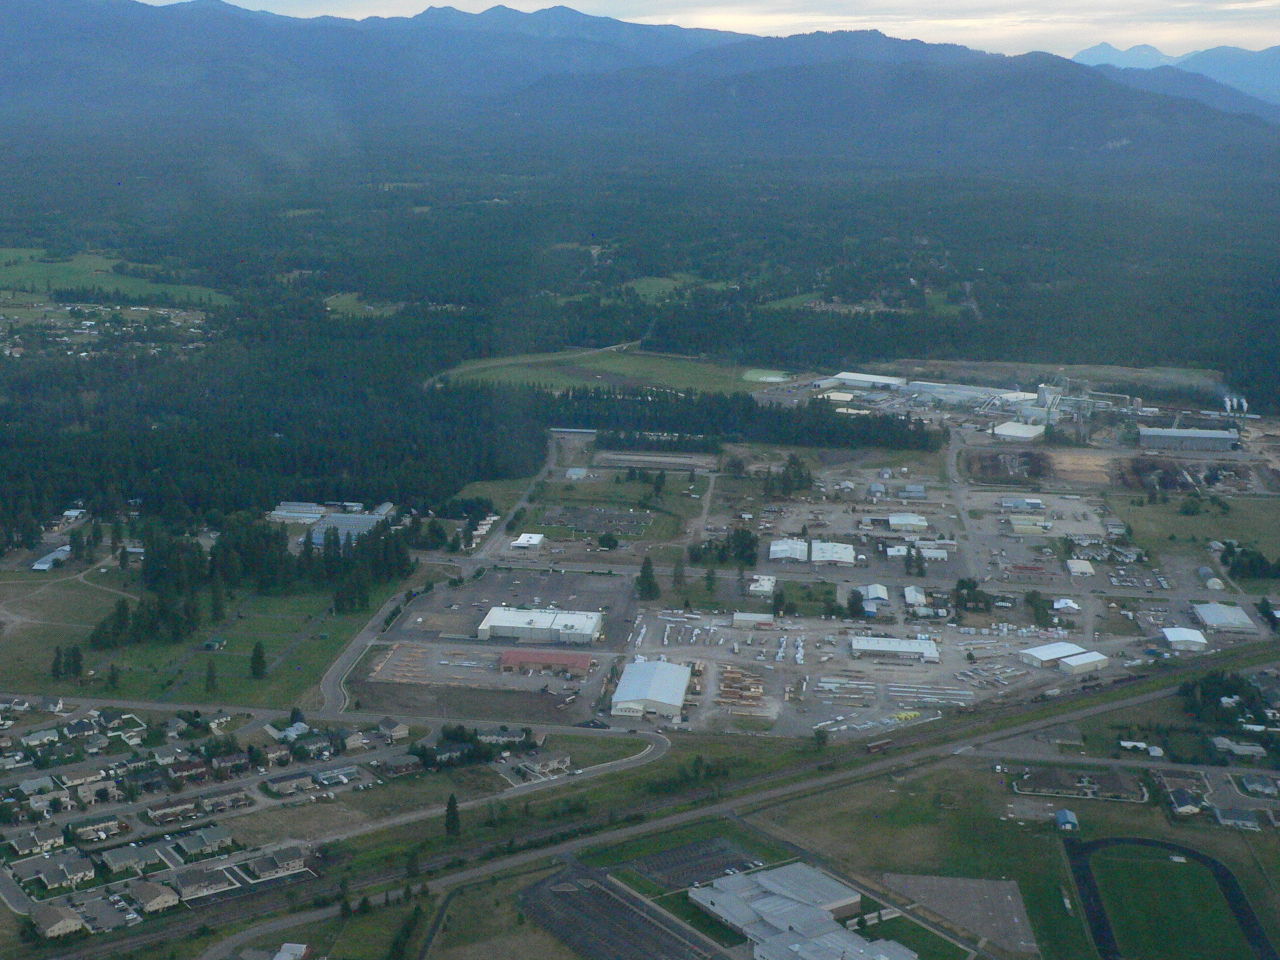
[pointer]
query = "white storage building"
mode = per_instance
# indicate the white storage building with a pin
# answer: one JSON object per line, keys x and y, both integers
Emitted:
{"x": 868, "y": 381}
{"x": 914, "y": 596}
{"x": 541, "y": 626}
{"x": 527, "y": 541}
{"x": 51, "y": 560}
{"x": 925, "y": 650}
{"x": 1046, "y": 655}
{"x": 816, "y": 551}
{"x": 750, "y": 621}
{"x": 1080, "y": 568}
{"x": 651, "y": 686}
{"x": 762, "y": 586}
{"x": 1086, "y": 662}
{"x": 908, "y": 522}
{"x": 1223, "y": 618}
{"x": 1185, "y": 638}
{"x": 1012, "y": 430}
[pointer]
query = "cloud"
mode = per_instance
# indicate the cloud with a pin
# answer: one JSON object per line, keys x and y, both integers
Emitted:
{"x": 1006, "y": 26}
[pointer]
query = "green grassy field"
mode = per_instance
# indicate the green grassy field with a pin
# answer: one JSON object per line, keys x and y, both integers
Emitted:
{"x": 752, "y": 843}
{"x": 59, "y": 608}
{"x": 928, "y": 945}
{"x": 504, "y": 494}
{"x": 1252, "y": 522}
{"x": 627, "y": 368}
{"x": 485, "y": 921}
{"x": 21, "y": 268}
{"x": 1254, "y": 858}
{"x": 1162, "y": 910}
{"x": 352, "y": 305}
{"x": 945, "y": 821}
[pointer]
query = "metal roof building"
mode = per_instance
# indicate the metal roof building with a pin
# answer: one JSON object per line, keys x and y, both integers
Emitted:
{"x": 1223, "y": 618}
{"x": 1012, "y": 430}
{"x": 815, "y": 551}
{"x": 868, "y": 381}
{"x": 651, "y": 686}
{"x": 1046, "y": 655}
{"x": 925, "y": 650}
{"x": 792, "y": 913}
{"x": 528, "y": 541}
{"x": 1184, "y": 638}
{"x": 353, "y": 525}
{"x": 1164, "y": 438}
{"x": 541, "y": 626}
{"x": 1086, "y": 662}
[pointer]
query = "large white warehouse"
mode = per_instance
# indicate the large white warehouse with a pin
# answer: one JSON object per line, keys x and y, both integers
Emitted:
{"x": 541, "y": 626}
{"x": 1048, "y": 654}
{"x": 925, "y": 650}
{"x": 1086, "y": 662}
{"x": 651, "y": 686}
{"x": 816, "y": 551}
{"x": 1223, "y": 618}
{"x": 1185, "y": 638}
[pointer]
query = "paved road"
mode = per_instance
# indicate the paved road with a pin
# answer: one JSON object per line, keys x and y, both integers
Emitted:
{"x": 733, "y": 807}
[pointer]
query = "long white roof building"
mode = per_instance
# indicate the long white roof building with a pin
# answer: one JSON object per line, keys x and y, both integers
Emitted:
{"x": 651, "y": 686}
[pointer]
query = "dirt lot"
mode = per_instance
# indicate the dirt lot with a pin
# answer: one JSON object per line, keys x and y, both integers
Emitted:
{"x": 1093, "y": 468}
{"x": 990, "y": 908}
{"x": 440, "y": 700}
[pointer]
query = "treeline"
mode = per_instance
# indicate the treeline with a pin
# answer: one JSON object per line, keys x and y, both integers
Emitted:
{"x": 1247, "y": 563}
{"x": 735, "y": 417}
{"x": 188, "y": 586}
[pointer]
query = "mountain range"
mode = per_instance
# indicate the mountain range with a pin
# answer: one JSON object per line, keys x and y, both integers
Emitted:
{"x": 208, "y": 86}
{"x": 1253, "y": 72}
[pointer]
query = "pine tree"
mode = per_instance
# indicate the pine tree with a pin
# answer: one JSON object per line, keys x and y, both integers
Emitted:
{"x": 210, "y": 677}
{"x": 56, "y": 669}
{"x": 258, "y": 662}
{"x": 647, "y": 584}
{"x": 677, "y": 574}
{"x": 113, "y": 677}
{"x": 217, "y": 601}
{"x": 452, "y": 822}
{"x": 710, "y": 580}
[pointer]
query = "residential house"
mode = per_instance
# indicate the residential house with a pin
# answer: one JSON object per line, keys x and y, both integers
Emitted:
{"x": 167, "y": 756}
{"x": 231, "y": 763}
{"x": 546, "y": 764}
{"x": 1257, "y": 783}
{"x": 291, "y": 783}
{"x": 97, "y": 828}
{"x": 202, "y": 882}
{"x": 171, "y": 810}
{"x": 152, "y": 897}
{"x": 393, "y": 730}
{"x": 40, "y": 840}
{"x": 96, "y": 742}
{"x": 81, "y": 778}
{"x": 1184, "y": 802}
{"x": 204, "y": 842}
{"x": 51, "y": 704}
{"x": 130, "y": 859}
{"x": 276, "y": 753}
{"x": 507, "y": 736}
{"x": 451, "y": 751}
{"x": 53, "y": 920}
{"x": 79, "y": 728}
{"x": 104, "y": 791}
{"x": 232, "y": 799}
{"x": 189, "y": 771}
{"x": 1237, "y": 818}
{"x": 40, "y": 738}
{"x": 350, "y": 739}
{"x": 399, "y": 766}
{"x": 278, "y": 863}
{"x": 61, "y": 868}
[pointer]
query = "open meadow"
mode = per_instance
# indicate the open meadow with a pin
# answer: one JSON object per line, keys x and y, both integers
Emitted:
{"x": 29, "y": 269}
{"x": 616, "y": 368}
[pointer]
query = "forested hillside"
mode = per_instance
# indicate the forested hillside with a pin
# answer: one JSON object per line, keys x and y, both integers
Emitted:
{"x": 382, "y": 201}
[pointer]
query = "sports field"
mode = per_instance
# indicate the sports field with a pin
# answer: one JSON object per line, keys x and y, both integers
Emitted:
{"x": 1164, "y": 910}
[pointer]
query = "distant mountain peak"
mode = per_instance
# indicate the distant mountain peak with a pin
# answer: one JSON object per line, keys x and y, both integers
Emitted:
{"x": 1142, "y": 56}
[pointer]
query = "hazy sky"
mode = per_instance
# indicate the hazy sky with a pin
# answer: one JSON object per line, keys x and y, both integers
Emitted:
{"x": 1006, "y": 26}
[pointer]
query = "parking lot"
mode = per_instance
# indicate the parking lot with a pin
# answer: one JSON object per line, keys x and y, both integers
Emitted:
{"x": 454, "y": 613}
